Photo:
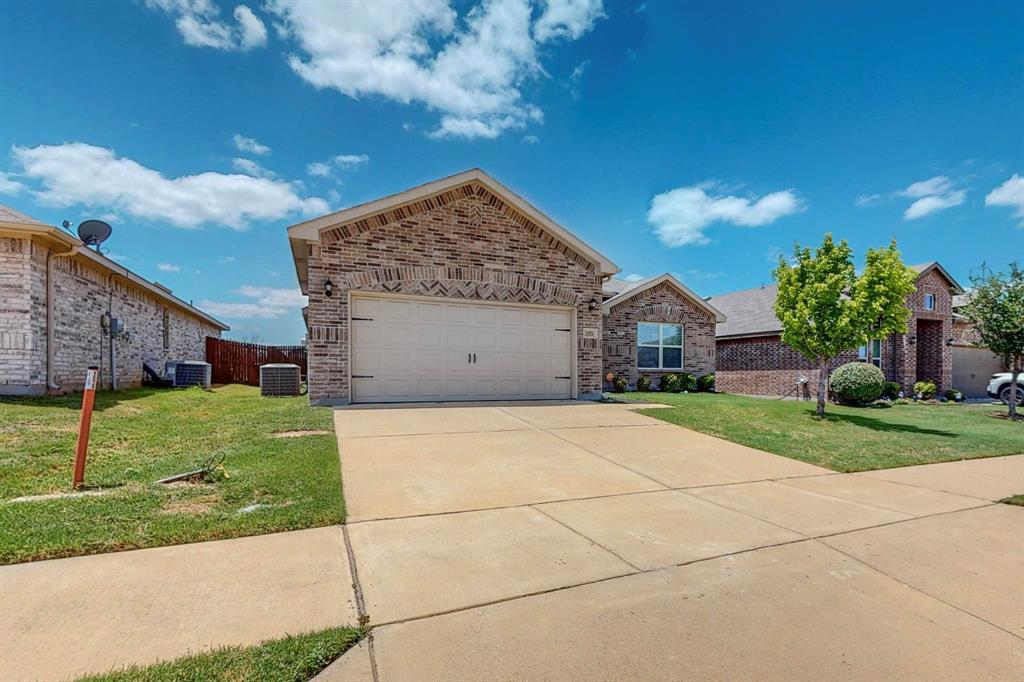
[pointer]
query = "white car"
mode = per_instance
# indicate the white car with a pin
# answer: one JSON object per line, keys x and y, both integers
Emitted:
{"x": 999, "y": 387}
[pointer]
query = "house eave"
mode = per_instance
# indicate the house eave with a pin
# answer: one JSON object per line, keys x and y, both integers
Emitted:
{"x": 607, "y": 306}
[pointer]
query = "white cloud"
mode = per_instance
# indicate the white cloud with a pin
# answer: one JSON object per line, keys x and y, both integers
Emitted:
{"x": 225, "y": 260}
{"x": 350, "y": 160}
{"x": 469, "y": 68}
{"x": 199, "y": 23}
{"x": 249, "y": 145}
{"x": 79, "y": 173}
{"x": 319, "y": 169}
{"x": 1010, "y": 193}
{"x": 10, "y": 186}
{"x": 633, "y": 277}
{"x": 575, "y": 77}
{"x": 168, "y": 267}
{"x": 264, "y": 303}
{"x": 567, "y": 19}
{"x": 679, "y": 216}
{"x": 323, "y": 169}
{"x": 931, "y": 195}
{"x": 530, "y": 139}
{"x": 250, "y": 167}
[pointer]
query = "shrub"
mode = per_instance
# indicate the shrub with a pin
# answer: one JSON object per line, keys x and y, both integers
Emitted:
{"x": 857, "y": 383}
{"x": 925, "y": 390}
{"x": 643, "y": 383}
{"x": 687, "y": 382}
{"x": 706, "y": 382}
{"x": 620, "y": 384}
{"x": 954, "y": 395}
{"x": 891, "y": 390}
{"x": 669, "y": 383}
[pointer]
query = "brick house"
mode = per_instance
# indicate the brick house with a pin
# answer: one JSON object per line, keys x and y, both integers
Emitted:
{"x": 459, "y": 289}
{"x": 657, "y": 326}
{"x": 57, "y": 298}
{"x": 752, "y": 358}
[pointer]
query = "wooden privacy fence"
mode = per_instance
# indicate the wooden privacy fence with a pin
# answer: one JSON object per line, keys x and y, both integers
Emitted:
{"x": 234, "y": 362}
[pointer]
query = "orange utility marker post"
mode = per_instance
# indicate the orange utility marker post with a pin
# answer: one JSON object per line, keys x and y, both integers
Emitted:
{"x": 84, "y": 425}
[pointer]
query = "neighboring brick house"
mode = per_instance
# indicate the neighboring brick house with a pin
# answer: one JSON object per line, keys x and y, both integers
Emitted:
{"x": 42, "y": 266}
{"x": 458, "y": 290}
{"x": 752, "y": 358}
{"x": 973, "y": 363}
{"x": 657, "y": 326}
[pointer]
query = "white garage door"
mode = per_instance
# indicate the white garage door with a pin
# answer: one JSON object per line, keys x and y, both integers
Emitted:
{"x": 423, "y": 349}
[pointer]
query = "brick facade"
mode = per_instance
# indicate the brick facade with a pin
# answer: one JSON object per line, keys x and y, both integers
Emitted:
{"x": 465, "y": 243}
{"x": 660, "y": 303}
{"x": 83, "y": 293}
{"x": 763, "y": 365}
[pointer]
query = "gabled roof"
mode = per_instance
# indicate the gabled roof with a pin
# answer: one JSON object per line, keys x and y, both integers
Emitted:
{"x": 310, "y": 230}
{"x": 19, "y": 225}
{"x": 923, "y": 269}
{"x": 635, "y": 288}
{"x": 750, "y": 312}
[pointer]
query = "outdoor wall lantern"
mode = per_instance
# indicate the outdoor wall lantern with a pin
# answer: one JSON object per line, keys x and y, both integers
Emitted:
{"x": 328, "y": 288}
{"x": 594, "y": 304}
{"x": 912, "y": 339}
{"x": 949, "y": 342}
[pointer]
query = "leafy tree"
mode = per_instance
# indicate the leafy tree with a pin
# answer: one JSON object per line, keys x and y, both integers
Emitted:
{"x": 826, "y": 308}
{"x": 996, "y": 310}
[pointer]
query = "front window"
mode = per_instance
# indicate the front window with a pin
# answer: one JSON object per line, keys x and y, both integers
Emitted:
{"x": 871, "y": 352}
{"x": 929, "y": 301}
{"x": 659, "y": 345}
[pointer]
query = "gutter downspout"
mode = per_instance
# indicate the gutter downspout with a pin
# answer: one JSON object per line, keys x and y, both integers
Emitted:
{"x": 110, "y": 331}
{"x": 51, "y": 384}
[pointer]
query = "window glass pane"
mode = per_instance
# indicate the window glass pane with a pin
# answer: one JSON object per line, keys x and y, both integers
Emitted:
{"x": 876, "y": 348}
{"x": 877, "y": 362}
{"x": 929, "y": 301}
{"x": 862, "y": 353}
{"x": 672, "y": 358}
{"x": 647, "y": 334}
{"x": 647, "y": 356}
{"x": 671, "y": 335}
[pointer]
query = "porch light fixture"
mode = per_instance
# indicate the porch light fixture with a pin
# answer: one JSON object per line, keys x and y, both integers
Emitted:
{"x": 949, "y": 342}
{"x": 328, "y": 288}
{"x": 594, "y": 304}
{"x": 913, "y": 338}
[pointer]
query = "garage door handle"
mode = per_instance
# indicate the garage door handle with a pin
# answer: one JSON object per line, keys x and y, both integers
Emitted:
{"x": 474, "y": 358}
{"x": 469, "y": 357}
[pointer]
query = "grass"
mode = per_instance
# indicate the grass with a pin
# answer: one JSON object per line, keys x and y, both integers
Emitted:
{"x": 848, "y": 438}
{"x": 291, "y": 659}
{"x": 1015, "y": 499}
{"x": 141, "y": 435}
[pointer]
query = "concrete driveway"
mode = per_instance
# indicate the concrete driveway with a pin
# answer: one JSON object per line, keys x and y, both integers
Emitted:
{"x": 586, "y": 541}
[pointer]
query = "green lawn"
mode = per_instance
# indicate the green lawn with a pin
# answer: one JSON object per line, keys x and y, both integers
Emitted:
{"x": 849, "y": 438}
{"x": 142, "y": 435}
{"x": 291, "y": 659}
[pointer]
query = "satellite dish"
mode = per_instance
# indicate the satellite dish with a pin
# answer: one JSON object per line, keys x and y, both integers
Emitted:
{"x": 93, "y": 232}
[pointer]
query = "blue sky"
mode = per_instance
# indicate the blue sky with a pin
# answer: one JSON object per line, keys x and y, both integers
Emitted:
{"x": 697, "y": 138}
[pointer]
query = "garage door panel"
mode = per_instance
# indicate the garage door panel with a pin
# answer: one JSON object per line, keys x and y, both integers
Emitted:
{"x": 428, "y": 350}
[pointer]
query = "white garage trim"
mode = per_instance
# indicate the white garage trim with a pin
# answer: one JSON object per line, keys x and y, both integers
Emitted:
{"x": 483, "y": 377}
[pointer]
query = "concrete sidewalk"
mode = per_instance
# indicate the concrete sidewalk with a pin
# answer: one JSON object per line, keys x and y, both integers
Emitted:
{"x": 69, "y": 617}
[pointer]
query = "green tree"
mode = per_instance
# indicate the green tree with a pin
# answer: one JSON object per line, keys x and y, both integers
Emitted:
{"x": 826, "y": 308}
{"x": 996, "y": 310}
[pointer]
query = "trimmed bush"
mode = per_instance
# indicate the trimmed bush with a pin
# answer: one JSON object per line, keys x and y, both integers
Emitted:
{"x": 687, "y": 382}
{"x": 925, "y": 390}
{"x": 706, "y": 382}
{"x": 954, "y": 395}
{"x": 669, "y": 383}
{"x": 857, "y": 383}
{"x": 891, "y": 390}
{"x": 643, "y": 383}
{"x": 620, "y": 384}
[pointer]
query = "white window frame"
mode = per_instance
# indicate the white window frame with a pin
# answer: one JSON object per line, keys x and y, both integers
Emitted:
{"x": 661, "y": 346}
{"x": 866, "y": 353}
{"x": 927, "y": 298}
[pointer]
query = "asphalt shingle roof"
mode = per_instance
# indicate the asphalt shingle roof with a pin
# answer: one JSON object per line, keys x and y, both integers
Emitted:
{"x": 9, "y": 215}
{"x": 748, "y": 311}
